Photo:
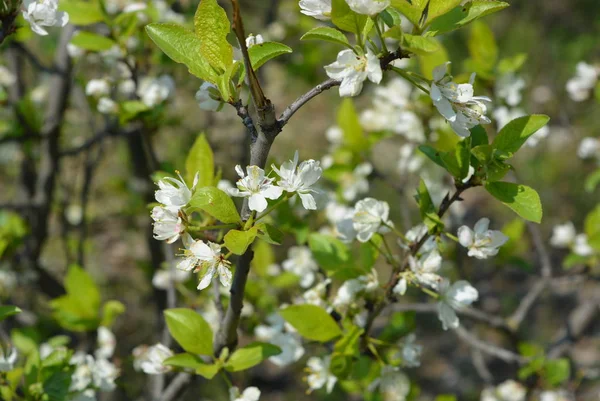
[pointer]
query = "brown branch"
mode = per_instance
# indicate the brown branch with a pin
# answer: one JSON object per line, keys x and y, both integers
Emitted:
{"x": 490, "y": 349}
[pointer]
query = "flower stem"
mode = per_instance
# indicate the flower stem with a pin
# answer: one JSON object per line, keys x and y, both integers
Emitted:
{"x": 275, "y": 206}
{"x": 380, "y": 34}
{"x": 406, "y": 76}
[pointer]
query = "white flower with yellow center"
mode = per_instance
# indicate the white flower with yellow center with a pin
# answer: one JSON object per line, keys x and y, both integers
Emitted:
{"x": 256, "y": 187}
{"x": 299, "y": 179}
{"x": 319, "y": 9}
{"x": 352, "y": 69}
{"x": 454, "y": 298}
{"x": 207, "y": 258}
{"x": 40, "y": 13}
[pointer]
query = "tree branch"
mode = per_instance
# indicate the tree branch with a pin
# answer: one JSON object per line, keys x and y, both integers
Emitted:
{"x": 487, "y": 348}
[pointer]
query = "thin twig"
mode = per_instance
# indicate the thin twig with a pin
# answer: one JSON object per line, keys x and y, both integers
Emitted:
{"x": 490, "y": 349}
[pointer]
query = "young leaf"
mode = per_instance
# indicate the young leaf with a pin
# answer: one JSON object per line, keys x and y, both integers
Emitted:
{"x": 182, "y": 46}
{"x": 482, "y": 46}
{"x": 419, "y": 44}
{"x": 238, "y": 241}
{"x": 269, "y": 233}
{"x": 329, "y": 252}
{"x": 428, "y": 61}
{"x": 251, "y": 355}
{"x": 524, "y": 200}
{"x": 212, "y": 26}
{"x": 348, "y": 121}
{"x": 457, "y": 162}
{"x": 427, "y": 208}
{"x": 462, "y": 15}
{"x": 327, "y": 34}
{"x": 261, "y": 53}
{"x": 346, "y": 19}
{"x": 92, "y": 41}
{"x": 190, "y": 330}
{"x": 514, "y": 134}
{"x": 8, "y": 310}
{"x": 216, "y": 203}
{"x": 200, "y": 160}
{"x": 592, "y": 223}
{"x": 412, "y": 9}
{"x": 190, "y": 361}
{"x": 433, "y": 154}
{"x": 82, "y": 13}
{"x": 311, "y": 322}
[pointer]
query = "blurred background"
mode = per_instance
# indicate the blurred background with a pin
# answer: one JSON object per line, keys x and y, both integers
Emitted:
{"x": 99, "y": 215}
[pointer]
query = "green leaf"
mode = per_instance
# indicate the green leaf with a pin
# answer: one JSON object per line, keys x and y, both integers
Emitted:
{"x": 110, "y": 311}
{"x": 130, "y": 109}
{"x": 251, "y": 355}
{"x": 419, "y": 44}
{"x": 261, "y": 53}
{"x": 348, "y": 344}
{"x": 327, "y": 34}
{"x": 514, "y": 134}
{"x": 462, "y": 15}
{"x": 440, "y": 7}
{"x": 329, "y": 252}
{"x": 82, "y": 12}
{"x": 212, "y": 27}
{"x": 412, "y": 9}
{"x": 592, "y": 223}
{"x": 182, "y": 46}
{"x": 92, "y": 41}
{"x": 427, "y": 208}
{"x": 557, "y": 371}
{"x": 269, "y": 233}
{"x": 346, "y": 19}
{"x": 56, "y": 387}
{"x": 200, "y": 160}
{"x": 592, "y": 181}
{"x": 8, "y": 310}
{"x": 458, "y": 161}
{"x": 191, "y": 361}
{"x": 238, "y": 241}
{"x": 348, "y": 121}
{"x": 216, "y": 203}
{"x": 512, "y": 64}
{"x": 433, "y": 154}
{"x": 311, "y": 322}
{"x": 190, "y": 330}
{"x": 524, "y": 200}
{"x": 428, "y": 61}
{"x": 482, "y": 46}
{"x": 422, "y": 12}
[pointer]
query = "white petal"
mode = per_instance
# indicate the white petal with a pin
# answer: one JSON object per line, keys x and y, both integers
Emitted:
{"x": 308, "y": 201}
{"x": 465, "y": 236}
{"x": 257, "y": 202}
{"x": 207, "y": 278}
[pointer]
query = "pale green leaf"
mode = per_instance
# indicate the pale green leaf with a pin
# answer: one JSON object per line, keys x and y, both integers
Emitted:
{"x": 261, "y": 53}
{"x": 348, "y": 121}
{"x": 251, "y": 355}
{"x": 238, "y": 241}
{"x": 92, "y": 41}
{"x": 200, "y": 160}
{"x": 82, "y": 12}
{"x": 327, "y": 34}
{"x": 419, "y": 44}
{"x": 190, "y": 330}
{"x": 212, "y": 27}
{"x": 8, "y": 310}
{"x": 462, "y": 15}
{"x": 524, "y": 200}
{"x": 311, "y": 322}
{"x": 216, "y": 203}
{"x": 329, "y": 252}
{"x": 346, "y": 19}
{"x": 514, "y": 134}
{"x": 482, "y": 46}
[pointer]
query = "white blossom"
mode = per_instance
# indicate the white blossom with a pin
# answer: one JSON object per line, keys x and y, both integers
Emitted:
{"x": 319, "y": 9}
{"x": 299, "y": 179}
{"x": 509, "y": 87}
{"x": 555, "y": 395}
{"x": 168, "y": 225}
{"x": 153, "y": 91}
{"x": 106, "y": 343}
{"x": 8, "y": 358}
{"x": 164, "y": 278}
{"x": 588, "y": 148}
{"x": 456, "y": 102}
{"x": 107, "y": 106}
{"x": 580, "y": 86}
{"x": 7, "y": 78}
{"x": 353, "y": 69}
{"x": 425, "y": 268}
{"x": 256, "y": 187}
{"x": 8, "y": 281}
{"x": 392, "y": 384}
{"x": 126, "y": 87}
{"x": 317, "y": 294}
{"x": 97, "y": 87}
{"x": 368, "y": 7}
{"x": 356, "y": 183}
{"x": 89, "y": 371}
{"x": 509, "y": 390}
{"x": 301, "y": 263}
{"x": 319, "y": 375}
{"x": 481, "y": 242}
{"x": 411, "y": 352}
{"x": 174, "y": 193}
{"x": 370, "y": 216}
{"x": 277, "y": 334}
{"x": 253, "y": 40}
{"x": 249, "y": 394}
{"x": 401, "y": 286}
{"x": 104, "y": 375}
{"x": 453, "y": 298}
{"x": 347, "y": 293}
{"x": 209, "y": 97}
{"x": 207, "y": 258}
{"x": 150, "y": 359}
{"x": 40, "y": 13}
{"x": 563, "y": 235}
{"x": 581, "y": 246}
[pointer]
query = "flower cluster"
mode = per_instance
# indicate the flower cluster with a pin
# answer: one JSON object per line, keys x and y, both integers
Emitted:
{"x": 43, "y": 13}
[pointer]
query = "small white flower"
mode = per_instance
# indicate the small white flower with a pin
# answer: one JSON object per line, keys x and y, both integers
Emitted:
{"x": 253, "y": 40}
{"x": 107, "y": 106}
{"x": 589, "y": 148}
{"x": 400, "y": 287}
{"x": 317, "y": 294}
{"x": 7, "y": 78}
{"x": 40, "y": 13}
{"x": 150, "y": 359}
{"x": 249, "y": 394}
{"x": 75, "y": 51}
{"x": 563, "y": 235}
{"x": 163, "y": 279}
{"x": 104, "y": 375}
{"x": 256, "y": 187}
{"x": 456, "y": 102}
{"x": 301, "y": 263}
{"x": 168, "y": 226}
{"x": 209, "y": 97}
{"x": 425, "y": 268}
{"x": 106, "y": 343}
{"x": 97, "y": 88}
{"x": 581, "y": 246}
{"x": 368, "y": 7}
{"x": 276, "y": 334}
{"x": 126, "y": 87}
{"x": 319, "y": 9}
{"x": 509, "y": 88}
{"x": 356, "y": 183}
{"x": 509, "y": 390}
{"x": 153, "y": 91}
{"x": 411, "y": 352}
{"x": 481, "y": 242}
{"x": 371, "y": 216}
{"x": 319, "y": 375}
{"x": 392, "y": 384}
{"x": 174, "y": 193}
{"x": 206, "y": 257}
{"x": 353, "y": 69}
{"x": 580, "y": 86}
{"x": 299, "y": 179}
{"x": 8, "y": 358}
{"x": 82, "y": 376}
{"x": 452, "y": 298}
{"x": 350, "y": 289}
